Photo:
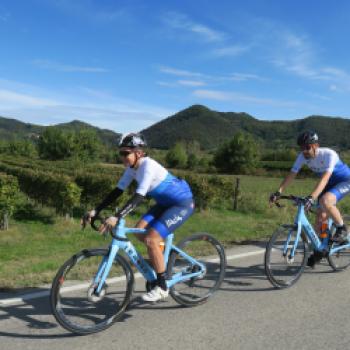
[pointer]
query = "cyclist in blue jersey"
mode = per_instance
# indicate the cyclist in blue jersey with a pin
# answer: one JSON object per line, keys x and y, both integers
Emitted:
{"x": 334, "y": 184}
{"x": 174, "y": 204}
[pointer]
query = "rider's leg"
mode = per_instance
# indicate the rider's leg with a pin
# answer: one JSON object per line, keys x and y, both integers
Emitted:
{"x": 328, "y": 203}
{"x": 147, "y": 220}
{"x": 160, "y": 291}
{"x": 321, "y": 218}
{"x": 153, "y": 240}
{"x": 160, "y": 227}
{"x": 141, "y": 224}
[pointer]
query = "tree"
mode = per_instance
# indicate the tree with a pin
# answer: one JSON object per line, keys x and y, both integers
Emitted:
{"x": 24, "y": 148}
{"x": 8, "y": 195}
{"x": 54, "y": 144}
{"x": 177, "y": 156}
{"x": 239, "y": 156}
{"x": 87, "y": 145}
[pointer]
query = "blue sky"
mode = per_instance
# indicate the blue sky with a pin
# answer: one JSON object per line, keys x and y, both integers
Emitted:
{"x": 124, "y": 65}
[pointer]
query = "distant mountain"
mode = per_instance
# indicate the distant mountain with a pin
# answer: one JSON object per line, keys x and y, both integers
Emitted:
{"x": 211, "y": 128}
{"x": 13, "y": 129}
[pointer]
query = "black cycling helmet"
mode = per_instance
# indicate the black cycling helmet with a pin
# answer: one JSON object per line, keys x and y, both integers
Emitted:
{"x": 307, "y": 138}
{"x": 133, "y": 140}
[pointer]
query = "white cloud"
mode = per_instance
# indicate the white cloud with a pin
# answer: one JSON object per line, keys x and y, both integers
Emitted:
{"x": 235, "y": 50}
{"x": 238, "y": 97}
{"x": 100, "y": 108}
{"x": 47, "y": 64}
{"x": 200, "y": 79}
{"x": 11, "y": 98}
{"x": 245, "y": 77}
{"x": 191, "y": 83}
{"x": 180, "y": 21}
{"x": 298, "y": 54}
{"x": 180, "y": 72}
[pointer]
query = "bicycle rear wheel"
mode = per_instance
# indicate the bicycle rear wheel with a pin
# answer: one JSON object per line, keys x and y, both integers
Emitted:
{"x": 281, "y": 269}
{"x": 74, "y": 302}
{"x": 207, "y": 250}
{"x": 340, "y": 260}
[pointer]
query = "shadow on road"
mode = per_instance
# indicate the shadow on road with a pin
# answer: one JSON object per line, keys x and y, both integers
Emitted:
{"x": 246, "y": 279}
{"x": 32, "y": 315}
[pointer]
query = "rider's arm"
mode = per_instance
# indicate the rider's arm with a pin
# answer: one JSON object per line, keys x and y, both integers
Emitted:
{"x": 132, "y": 203}
{"x": 112, "y": 196}
{"x": 123, "y": 183}
{"x": 289, "y": 178}
{"x": 321, "y": 184}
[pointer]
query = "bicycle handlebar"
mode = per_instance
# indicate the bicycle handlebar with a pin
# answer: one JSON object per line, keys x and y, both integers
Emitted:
{"x": 297, "y": 200}
{"x": 87, "y": 220}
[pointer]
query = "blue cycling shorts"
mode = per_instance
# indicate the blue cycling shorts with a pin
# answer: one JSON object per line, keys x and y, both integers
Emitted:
{"x": 166, "y": 220}
{"x": 340, "y": 190}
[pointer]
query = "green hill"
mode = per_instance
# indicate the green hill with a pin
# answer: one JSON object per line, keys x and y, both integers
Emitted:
{"x": 11, "y": 129}
{"x": 211, "y": 128}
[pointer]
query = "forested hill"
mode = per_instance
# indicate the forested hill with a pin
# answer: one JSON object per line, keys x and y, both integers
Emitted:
{"x": 210, "y": 128}
{"x": 13, "y": 129}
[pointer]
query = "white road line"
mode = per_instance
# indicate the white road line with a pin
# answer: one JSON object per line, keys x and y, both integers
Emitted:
{"x": 35, "y": 295}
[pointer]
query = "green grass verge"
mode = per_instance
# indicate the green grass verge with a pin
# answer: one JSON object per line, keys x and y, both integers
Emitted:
{"x": 32, "y": 251}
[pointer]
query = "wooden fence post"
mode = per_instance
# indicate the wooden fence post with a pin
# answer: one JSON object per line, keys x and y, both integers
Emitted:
{"x": 235, "y": 194}
{"x": 6, "y": 222}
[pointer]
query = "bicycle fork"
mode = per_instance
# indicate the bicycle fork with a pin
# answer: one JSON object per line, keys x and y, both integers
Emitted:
{"x": 103, "y": 270}
{"x": 289, "y": 252}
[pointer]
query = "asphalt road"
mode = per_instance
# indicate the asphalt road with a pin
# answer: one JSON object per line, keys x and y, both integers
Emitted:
{"x": 246, "y": 313}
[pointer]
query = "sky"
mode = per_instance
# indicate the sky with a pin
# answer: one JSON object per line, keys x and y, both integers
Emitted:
{"x": 125, "y": 65}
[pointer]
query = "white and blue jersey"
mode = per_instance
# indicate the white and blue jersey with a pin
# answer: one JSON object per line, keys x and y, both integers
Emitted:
{"x": 327, "y": 160}
{"x": 173, "y": 196}
{"x": 156, "y": 182}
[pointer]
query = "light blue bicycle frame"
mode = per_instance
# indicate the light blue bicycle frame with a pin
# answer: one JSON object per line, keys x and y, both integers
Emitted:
{"x": 121, "y": 242}
{"x": 302, "y": 223}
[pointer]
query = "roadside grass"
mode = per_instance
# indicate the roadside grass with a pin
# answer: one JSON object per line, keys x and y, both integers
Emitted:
{"x": 32, "y": 250}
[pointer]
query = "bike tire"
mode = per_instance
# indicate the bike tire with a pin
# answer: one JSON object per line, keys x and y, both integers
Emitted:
{"x": 280, "y": 270}
{"x": 340, "y": 260}
{"x": 207, "y": 250}
{"x": 73, "y": 303}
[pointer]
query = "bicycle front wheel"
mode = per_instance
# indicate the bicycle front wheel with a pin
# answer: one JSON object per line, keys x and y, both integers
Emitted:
{"x": 74, "y": 301}
{"x": 340, "y": 260}
{"x": 208, "y": 251}
{"x": 281, "y": 268}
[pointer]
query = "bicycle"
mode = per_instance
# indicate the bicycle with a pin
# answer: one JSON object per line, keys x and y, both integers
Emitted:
{"x": 290, "y": 245}
{"x": 94, "y": 287}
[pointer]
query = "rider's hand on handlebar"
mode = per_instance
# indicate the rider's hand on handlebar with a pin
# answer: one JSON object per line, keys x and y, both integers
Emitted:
{"x": 274, "y": 197}
{"x": 108, "y": 225}
{"x": 87, "y": 217}
{"x": 308, "y": 203}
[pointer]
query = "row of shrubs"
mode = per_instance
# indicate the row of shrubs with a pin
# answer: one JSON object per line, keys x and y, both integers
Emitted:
{"x": 87, "y": 188}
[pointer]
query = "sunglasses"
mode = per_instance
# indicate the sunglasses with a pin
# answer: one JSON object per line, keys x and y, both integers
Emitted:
{"x": 305, "y": 147}
{"x": 124, "y": 153}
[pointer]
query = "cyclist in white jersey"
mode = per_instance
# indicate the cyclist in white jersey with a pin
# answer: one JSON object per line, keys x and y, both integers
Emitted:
{"x": 334, "y": 184}
{"x": 174, "y": 205}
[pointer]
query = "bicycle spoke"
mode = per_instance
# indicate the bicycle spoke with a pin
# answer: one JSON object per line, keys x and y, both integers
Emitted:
{"x": 76, "y": 304}
{"x": 282, "y": 267}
